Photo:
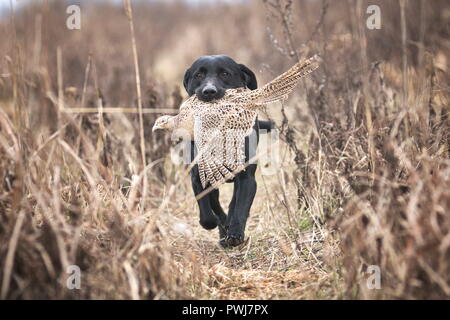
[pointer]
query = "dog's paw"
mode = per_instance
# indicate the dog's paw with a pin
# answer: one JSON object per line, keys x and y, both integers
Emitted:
{"x": 209, "y": 223}
{"x": 223, "y": 231}
{"x": 223, "y": 243}
{"x": 233, "y": 240}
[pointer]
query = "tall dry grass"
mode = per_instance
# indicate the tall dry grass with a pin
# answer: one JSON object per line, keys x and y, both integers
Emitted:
{"x": 364, "y": 178}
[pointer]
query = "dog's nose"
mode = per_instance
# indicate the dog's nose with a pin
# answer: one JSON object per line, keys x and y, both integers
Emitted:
{"x": 209, "y": 91}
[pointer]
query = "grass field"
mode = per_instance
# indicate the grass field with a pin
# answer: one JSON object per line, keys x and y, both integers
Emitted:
{"x": 363, "y": 177}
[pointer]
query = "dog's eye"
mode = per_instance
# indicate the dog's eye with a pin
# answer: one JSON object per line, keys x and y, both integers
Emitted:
{"x": 224, "y": 74}
{"x": 199, "y": 75}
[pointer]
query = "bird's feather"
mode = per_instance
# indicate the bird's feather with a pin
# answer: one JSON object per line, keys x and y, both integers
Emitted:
{"x": 219, "y": 127}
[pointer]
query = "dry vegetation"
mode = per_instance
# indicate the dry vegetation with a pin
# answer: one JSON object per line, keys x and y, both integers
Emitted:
{"x": 364, "y": 177}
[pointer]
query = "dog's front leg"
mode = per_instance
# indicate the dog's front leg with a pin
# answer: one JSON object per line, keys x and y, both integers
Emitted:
{"x": 208, "y": 220}
{"x": 245, "y": 190}
{"x": 218, "y": 211}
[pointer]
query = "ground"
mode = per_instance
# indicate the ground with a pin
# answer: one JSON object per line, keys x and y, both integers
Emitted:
{"x": 279, "y": 260}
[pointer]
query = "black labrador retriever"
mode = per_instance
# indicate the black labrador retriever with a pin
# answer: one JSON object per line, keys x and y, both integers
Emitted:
{"x": 208, "y": 78}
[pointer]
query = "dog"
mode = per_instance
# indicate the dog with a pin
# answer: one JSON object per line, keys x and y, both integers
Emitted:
{"x": 208, "y": 78}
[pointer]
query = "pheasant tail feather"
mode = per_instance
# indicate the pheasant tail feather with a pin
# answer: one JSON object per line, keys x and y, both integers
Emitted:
{"x": 281, "y": 86}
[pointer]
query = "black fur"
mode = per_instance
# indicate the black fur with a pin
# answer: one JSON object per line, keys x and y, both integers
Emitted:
{"x": 208, "y": 78}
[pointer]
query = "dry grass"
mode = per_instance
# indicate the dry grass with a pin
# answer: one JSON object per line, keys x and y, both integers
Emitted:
{"x": 364, "y": 176}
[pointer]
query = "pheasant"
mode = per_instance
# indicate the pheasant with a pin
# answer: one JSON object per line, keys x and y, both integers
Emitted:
{"x": 219, "y": 127}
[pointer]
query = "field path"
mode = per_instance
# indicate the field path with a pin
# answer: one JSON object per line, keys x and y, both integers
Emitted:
{"x": 273, "y": 263}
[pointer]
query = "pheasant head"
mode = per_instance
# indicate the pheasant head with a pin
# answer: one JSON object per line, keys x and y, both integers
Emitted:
{"x": 164, "y": 122}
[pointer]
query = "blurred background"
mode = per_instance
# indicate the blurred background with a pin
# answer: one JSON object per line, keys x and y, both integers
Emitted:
{"x": 172, "y": 34}
{"x": 364, "y": 172}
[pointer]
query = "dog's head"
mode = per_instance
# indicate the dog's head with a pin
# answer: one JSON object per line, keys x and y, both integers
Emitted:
{"x": 210, "y": 76}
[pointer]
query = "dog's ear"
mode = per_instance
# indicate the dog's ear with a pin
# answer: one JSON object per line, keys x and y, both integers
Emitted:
{"x": 249, "y": 77}
{"x": 187, "y": 76}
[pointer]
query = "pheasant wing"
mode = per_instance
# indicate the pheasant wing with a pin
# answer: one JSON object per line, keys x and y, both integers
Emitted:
{"x": 219, "y": 133}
